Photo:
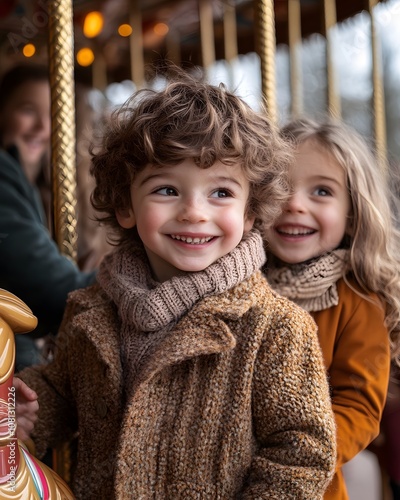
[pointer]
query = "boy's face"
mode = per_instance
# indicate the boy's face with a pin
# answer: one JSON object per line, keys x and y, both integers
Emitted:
{"x": 188, "y": 217}
{"x": 316, "y": 218}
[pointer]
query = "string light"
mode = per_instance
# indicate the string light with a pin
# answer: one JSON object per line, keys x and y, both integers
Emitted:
{"x": 161, "y": 29}
{"x": 29, "y": 50}
{"x": 125, "y": 30}
{"x": 85, "y": 56}
{"x": 93, "y": 24}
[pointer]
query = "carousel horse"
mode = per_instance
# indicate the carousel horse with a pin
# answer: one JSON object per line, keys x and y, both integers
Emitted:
{"x": 22, "y": 476}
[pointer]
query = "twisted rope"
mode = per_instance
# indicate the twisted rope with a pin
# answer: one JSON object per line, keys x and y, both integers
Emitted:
{"x": 61, "y": 57}
{"x": 266, "y": 48}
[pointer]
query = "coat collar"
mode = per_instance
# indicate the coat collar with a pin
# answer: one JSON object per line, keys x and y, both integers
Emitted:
{"x": 205, "y": 330}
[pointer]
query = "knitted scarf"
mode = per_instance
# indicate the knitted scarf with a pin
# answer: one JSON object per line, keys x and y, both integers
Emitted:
{"x": 312, "y": 285}
{"x": 149, "y": 309}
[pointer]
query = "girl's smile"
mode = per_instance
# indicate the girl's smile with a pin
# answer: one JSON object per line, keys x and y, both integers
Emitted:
{"x": 295, "y": 232}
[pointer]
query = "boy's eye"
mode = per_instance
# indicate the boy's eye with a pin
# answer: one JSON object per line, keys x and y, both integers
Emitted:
{"x": 221, "y": 193}
{"x": 166, "y": 191}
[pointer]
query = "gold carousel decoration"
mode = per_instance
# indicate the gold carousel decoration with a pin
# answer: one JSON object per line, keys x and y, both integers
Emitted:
{"x": 22, "y": 476}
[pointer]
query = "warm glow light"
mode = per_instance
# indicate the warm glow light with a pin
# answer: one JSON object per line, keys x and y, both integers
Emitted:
{"x": 161, "y": 29}
{"x": 125, "y": 30}
{"x": 93, "y": 24}
{"x": 28, "y": 50}
{"x": 85, "y": 56}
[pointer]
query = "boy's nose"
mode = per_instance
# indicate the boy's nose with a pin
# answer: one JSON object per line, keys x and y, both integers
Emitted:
{"x": 192, "y": 211}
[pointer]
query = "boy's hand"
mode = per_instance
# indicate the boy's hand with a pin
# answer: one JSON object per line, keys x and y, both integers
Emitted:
{"x": 26, "y": 408}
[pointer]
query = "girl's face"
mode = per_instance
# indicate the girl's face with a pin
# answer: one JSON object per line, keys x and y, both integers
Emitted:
{"x": 25, "y": 123}
{"x": 188, "y": 217}
{"x": 315, "y": 219}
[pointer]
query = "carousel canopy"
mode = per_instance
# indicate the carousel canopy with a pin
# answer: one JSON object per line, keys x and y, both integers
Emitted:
{"x": 170, "y": 28}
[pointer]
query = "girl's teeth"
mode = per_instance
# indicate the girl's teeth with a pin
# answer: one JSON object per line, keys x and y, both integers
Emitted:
{"x": 295, "y": 232}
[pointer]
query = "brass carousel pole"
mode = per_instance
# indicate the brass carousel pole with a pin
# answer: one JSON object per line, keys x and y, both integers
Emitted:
{"x": 230, "y": 38}
{"x": 61, "y": 64}
{"x": 330, "y": 18}
{"x": 266, "y": 49}
{"x": 378, "y": 92}
{"x": 136, "y": 44}
{"x": 230, "y": 30}
{"x": 296, "y": 80}
{"x": 207, "y": 34}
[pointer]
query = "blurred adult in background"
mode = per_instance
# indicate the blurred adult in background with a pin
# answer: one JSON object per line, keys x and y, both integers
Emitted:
{"x": 31, "y": 265}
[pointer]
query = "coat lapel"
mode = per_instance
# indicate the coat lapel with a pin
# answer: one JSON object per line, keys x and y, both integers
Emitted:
{"x": 101, "y": 328}
{"x": 203, "y": 331}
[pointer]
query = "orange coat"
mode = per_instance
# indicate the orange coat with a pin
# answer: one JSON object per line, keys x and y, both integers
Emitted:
{"x": 357, "y": 360}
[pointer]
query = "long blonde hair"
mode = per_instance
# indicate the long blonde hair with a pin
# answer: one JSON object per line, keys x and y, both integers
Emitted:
{"x": 375, "y": 241}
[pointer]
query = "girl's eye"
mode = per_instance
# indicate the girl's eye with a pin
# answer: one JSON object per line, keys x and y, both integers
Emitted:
{"x": 166, "y": 191}
{"x": 322, "y": 192}
{"x": 221, "y": 193}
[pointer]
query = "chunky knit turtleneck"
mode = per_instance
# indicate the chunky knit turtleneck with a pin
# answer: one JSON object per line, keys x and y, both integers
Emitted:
{"x": 312, "y": 285}
{"x": 149, "y": 309}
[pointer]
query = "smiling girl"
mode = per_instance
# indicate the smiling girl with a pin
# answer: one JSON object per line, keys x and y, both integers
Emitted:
{"x": 334, "y": 251}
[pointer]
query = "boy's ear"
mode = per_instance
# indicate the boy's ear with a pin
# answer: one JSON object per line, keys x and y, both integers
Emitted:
{"x": 126, "y": 218}
{"x": 248, "y": 224}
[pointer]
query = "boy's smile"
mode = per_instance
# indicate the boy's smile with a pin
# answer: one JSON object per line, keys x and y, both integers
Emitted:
{"x": 188, "y": 217}
{"x": 192, "y": 239}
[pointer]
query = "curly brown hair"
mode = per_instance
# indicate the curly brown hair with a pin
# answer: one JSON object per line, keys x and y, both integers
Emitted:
{"x": 189, "y": 119}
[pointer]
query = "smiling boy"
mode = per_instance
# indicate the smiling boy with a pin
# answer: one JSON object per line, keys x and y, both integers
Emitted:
{"x": 184, "y": 374}
{"x": 188, "y": 217}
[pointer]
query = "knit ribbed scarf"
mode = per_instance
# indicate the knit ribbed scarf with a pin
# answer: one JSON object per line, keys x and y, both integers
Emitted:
{"x": 149, "y": 309}
{"x": 312, "y": 285}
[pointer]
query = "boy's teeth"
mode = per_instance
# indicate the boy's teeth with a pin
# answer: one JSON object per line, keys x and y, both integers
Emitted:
{"x": 189, "y": 239}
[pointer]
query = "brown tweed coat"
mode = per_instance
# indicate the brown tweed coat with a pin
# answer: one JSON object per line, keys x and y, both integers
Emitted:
{"x": 233, "y": 403}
